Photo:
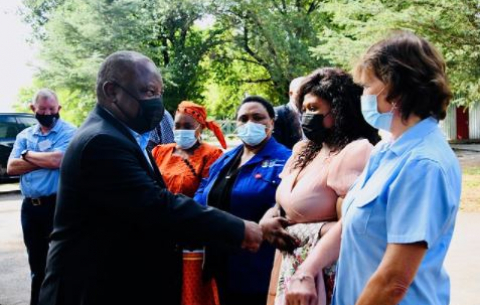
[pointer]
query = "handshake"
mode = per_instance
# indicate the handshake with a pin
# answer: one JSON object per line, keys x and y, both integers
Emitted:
{"x": 272, "y": 229}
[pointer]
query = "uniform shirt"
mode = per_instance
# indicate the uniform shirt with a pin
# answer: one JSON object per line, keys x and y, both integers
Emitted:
{"x": 408, "y": 193}
{"x": 251, "y": 195}
{"x": 42, "y": 182}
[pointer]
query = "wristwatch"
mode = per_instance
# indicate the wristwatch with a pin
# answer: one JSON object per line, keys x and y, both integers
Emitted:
{"x": 24, "y": 153}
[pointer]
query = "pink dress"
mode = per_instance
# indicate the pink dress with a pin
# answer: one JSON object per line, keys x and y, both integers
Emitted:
{"x": 309, "y": 199}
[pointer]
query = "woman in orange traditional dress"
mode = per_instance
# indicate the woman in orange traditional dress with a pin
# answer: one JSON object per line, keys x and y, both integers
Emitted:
{"x": 183, "y": 165}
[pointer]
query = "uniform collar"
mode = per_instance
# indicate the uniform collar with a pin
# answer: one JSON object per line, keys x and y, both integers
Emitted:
{"x": 267, "y": 151}
{"x": 55, "y": 128}
{"x": 413, "y": 135}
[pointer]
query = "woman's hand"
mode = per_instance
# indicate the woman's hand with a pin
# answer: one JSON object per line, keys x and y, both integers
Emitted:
{"x": 273, "y": 228}
{"x": 301, "y": 290}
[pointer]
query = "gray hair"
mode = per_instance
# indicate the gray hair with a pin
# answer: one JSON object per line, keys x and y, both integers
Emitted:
{"x": 43, "y": 94}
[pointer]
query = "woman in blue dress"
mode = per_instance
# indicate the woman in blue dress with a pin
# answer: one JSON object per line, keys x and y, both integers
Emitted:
{"x": 399, "y": 216}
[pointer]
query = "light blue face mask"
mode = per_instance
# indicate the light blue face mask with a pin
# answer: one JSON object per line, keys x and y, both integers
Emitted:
{"x": 185, "y": 138}
{"x": 251, "y": 133}
{"x": 372, "y": 116}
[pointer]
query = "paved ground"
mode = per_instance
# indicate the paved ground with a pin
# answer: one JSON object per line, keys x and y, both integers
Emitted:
{"x": 468, "y": 147}
{"x": 462, "y": 262}
{"x": 14, "y": 271}
{"x": 8, "y": 188}
{"x": 468, "y": 154}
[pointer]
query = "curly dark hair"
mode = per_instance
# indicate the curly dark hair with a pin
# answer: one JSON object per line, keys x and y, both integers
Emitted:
{"x": 338, "y": 89}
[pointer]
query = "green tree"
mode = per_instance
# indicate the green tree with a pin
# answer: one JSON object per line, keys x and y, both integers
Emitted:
{"x": 79, "y": 34}
{"x": 452, "y": 25}
{"x": 267, "y": 44}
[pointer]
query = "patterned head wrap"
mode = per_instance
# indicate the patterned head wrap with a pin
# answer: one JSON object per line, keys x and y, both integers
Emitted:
{"x": 199, "y": 114}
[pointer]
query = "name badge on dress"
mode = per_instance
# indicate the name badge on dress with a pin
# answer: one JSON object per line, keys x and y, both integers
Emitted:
{"x": 44, "y": 145}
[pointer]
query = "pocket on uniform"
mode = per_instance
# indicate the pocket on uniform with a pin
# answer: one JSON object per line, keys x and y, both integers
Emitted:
{"x": 362, "y": 207}
{"x": 268, "y": 176}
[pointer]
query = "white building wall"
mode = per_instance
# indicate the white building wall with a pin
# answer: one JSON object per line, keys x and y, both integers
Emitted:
{"x": 474, "y": 121}
{"x": 449, "y": 125}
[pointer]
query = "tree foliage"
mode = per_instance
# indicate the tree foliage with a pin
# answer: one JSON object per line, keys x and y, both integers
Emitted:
{"x": 79, "y": 34}
{"x": 453, "y": 26}
{"x": 248, "y": 47}
{"x": 268, "y": 42}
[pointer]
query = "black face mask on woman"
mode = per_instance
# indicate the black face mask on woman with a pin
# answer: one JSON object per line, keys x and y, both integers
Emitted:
{"x": 150, "y": 113}
{"x": 313, "y": 128}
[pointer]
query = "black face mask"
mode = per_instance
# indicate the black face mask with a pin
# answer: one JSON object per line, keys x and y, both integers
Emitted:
{"x": 47, "y": 120}
{"x": 312, "y": 125}
{"x": 150, "y": 113}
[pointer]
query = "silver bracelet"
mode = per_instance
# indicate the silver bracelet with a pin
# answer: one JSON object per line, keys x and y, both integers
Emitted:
{"x": 301, "y": 277}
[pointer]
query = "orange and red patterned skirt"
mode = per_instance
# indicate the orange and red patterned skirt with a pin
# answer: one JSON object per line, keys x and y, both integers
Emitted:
{"x": 195, "y": 291}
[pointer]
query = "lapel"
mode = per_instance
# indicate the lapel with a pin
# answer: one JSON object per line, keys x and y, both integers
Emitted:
{"x": 156, "y": 171}
{"x": 152, "y": 168}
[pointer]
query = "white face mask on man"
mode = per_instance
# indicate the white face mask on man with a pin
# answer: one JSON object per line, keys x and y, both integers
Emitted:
{"x": 251, "y": 133}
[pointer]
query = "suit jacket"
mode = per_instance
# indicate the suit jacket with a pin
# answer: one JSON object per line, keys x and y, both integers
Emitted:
{"x": 116, "y": 225}
{"x": 287, "y": 129}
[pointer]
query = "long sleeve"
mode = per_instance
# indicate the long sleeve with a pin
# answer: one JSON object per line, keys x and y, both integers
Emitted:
{"x": 109, "y": 167}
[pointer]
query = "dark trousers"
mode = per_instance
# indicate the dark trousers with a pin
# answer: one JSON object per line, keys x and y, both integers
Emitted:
{"x": 37, "y": 224}
{"x": 228, "y": 297}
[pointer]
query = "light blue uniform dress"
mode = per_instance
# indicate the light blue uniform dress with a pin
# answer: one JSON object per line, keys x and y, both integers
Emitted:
{"x": 409, "y": 192}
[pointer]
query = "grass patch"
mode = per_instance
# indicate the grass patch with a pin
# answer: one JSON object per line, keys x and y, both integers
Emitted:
{"x": 471, "y": 170}
{"x": 470, "y": 199}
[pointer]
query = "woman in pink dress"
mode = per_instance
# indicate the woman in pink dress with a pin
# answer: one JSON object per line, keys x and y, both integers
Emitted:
{"x": 319, "y": 173}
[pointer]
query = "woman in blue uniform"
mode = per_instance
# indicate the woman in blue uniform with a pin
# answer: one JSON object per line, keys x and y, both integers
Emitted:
{"x": 243, "y": 182}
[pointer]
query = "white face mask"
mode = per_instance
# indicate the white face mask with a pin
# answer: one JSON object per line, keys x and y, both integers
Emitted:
{"x": 185, "y": 138}
{"x": 251, "y": 133}
{"x": 370, "y": 112}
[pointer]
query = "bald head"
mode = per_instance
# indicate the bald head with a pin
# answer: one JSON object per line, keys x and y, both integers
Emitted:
{"x": 130, "y": 87}
{"x": 295, "y": 83}
{"x": 294, "y": 87}
{"x": 122, "y": 67}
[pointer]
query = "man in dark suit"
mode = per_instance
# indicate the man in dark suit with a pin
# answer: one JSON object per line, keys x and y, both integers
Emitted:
{"x": 116, "y": 225}
{"x": 288, "y": 126}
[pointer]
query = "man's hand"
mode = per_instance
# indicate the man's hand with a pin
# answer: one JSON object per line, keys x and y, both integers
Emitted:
{"x": 273, "y": 228}
{"x": 253, "y": 236}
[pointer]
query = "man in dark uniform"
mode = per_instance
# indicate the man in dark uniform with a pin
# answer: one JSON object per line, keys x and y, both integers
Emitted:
{"x": 116, "y": 225}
